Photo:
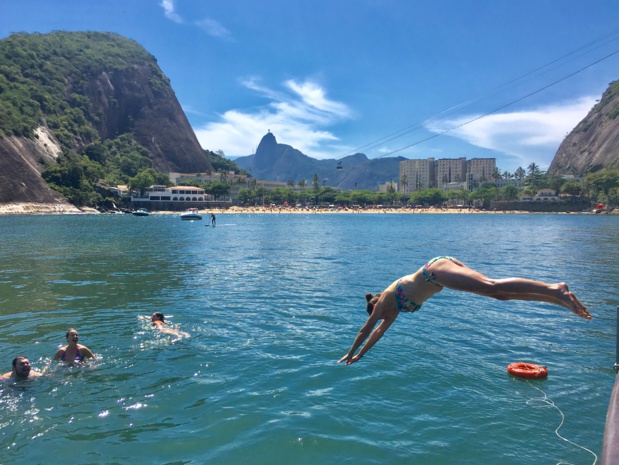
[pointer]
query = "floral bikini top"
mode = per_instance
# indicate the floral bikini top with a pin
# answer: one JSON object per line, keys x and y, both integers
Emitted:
{"x": 402, "y": 303}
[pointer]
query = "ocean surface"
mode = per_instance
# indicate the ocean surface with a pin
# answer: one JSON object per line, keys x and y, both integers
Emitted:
{"x": 271, "y": 303}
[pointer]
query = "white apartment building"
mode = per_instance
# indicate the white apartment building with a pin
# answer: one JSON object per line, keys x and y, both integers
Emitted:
{"x": 450, "y": 170}
{"x": 384, "y": 188}
{"x": 161, "y": 193}
{"x": 482, "y": 169}
{"x": 416, "y": 175}
{"x": 445, "y": 173}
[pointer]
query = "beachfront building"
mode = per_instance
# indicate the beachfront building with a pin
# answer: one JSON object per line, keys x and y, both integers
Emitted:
{"x": 454, "y": 186}
{"x": 445, "y": 173}
{"x": 416, "y": 175}
{"x": 450, "y": 170}
{"x": 385, "y": 188}
{"x": 543, "y": 195}
{"x": 161, "y": 193}
{"x": 499, "y": 183}
{"x": 481, "y": 170}
{"x": 224, "y": 176}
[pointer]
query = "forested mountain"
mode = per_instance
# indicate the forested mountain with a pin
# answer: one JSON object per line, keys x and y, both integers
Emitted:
{"x": 281, "y": 162}
{"x": 84, "y": 106}
{"x": 593, "y": 145}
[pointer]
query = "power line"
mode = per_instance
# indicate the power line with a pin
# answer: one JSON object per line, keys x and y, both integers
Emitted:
{"x": 595, "y": 44}
{"x": 433, "y": 136}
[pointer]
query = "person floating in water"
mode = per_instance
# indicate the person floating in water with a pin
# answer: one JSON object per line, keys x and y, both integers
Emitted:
{"x": 73, "y": 352}
{"x": 21, "y": 370}
{"x": 158, "y": 322}
{"x": 408, "y": 293}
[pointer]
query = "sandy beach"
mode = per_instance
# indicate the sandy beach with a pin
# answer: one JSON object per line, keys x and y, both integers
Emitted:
{"x": 58, "y": 208}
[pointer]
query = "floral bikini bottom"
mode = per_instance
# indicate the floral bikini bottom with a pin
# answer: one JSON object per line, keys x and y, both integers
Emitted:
{"x": 404, "y": 304}
{"x": 429, "y": 276}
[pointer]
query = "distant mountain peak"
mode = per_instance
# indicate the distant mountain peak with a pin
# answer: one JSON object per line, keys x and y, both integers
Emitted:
{"x": 280, "y": 162}
{"x": 267, "y": 152}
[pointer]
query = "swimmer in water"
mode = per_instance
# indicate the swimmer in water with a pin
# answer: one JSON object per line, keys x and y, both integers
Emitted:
{"x": 73, "y": 352}
{"x": 21, "y": 370}
{"x": 408, "y": 293}
{"x": 158, "y": 318}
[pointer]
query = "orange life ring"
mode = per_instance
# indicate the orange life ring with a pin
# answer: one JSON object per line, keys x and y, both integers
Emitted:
{"x": 527, "y": 370}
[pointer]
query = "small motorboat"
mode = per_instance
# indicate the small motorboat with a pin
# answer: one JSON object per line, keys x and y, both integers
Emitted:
{"x": 140, "y": 212}
{"x": 191, "y": 214}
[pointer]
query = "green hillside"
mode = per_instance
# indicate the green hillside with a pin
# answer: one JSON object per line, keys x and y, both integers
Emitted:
{"x": 106, "y": 102}
{"x": 45, "y": 77}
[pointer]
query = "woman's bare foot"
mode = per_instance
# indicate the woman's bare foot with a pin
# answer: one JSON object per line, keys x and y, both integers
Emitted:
{"x": 572, "y": 303}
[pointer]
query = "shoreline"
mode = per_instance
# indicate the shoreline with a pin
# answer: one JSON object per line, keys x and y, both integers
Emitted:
{"x": 66, "y": 209}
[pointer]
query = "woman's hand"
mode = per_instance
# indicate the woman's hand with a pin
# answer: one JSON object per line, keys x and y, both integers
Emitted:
{"x": 350, "y": 360}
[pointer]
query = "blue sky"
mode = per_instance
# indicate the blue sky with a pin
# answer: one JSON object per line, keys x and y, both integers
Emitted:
{"x": 384, "y": 77}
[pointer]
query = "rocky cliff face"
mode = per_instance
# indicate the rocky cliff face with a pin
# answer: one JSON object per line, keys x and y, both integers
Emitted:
{"x": 65, "y": 90}
{"x": 593, "y": 144}
{"x": 21, "y": 163}
{"x": 126, "y": 101}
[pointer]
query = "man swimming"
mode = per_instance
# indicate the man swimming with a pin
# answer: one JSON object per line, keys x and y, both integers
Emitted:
{"x": 21, "y": 370}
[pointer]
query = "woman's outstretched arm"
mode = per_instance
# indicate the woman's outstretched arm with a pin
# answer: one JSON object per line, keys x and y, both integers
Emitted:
{"x": 378, "y": 314}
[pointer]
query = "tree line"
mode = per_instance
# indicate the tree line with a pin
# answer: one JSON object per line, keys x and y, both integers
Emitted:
{"x": 601, "y": 186}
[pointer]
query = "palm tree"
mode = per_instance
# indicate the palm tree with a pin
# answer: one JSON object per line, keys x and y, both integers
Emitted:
{"x": 519, "y": 174}
{"x": 535, "y": 177}
{"x": 496, "y": 175}
{"x": 316, "y": 187}
{"x": 302, "y": 184}
{"x": 403, "y": 183}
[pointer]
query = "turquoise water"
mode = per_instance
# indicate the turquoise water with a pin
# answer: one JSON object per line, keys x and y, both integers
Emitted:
{"x": 272, "y": 302}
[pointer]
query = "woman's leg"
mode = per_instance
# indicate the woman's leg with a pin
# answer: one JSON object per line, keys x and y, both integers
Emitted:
{"x": 455, "y": 275}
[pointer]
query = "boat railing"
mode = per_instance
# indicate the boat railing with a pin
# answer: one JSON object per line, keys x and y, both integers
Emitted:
{"x": 610, "y": 449}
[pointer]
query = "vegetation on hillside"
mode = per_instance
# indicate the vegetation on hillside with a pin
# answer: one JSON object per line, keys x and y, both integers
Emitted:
{"x": 44, "y": 76}
{"x": 611, "y": 94}
{"x": 44, "y": 80}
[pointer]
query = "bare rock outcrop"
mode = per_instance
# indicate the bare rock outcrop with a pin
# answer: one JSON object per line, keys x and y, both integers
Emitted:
{"x": 593, "y": 145}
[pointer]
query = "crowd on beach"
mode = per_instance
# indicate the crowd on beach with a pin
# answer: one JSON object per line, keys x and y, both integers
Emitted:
{"x": 379, "y": 209}
{"x": 34, "y": 208}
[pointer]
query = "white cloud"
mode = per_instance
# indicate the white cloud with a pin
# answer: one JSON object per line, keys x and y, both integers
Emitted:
{"x": 210, "y": 26}
{"x": 168, "y": 8}
{"x": 213, "y": 28}
{"x": 524, "y": 135}
{"x": 296, "y": 116}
